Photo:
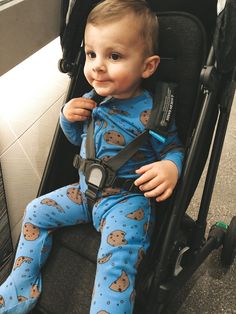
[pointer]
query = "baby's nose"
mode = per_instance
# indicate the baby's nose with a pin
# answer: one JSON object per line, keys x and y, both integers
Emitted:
{"x": 99, "y": 66}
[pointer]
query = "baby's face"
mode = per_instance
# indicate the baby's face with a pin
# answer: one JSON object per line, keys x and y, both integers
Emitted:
{"x": 115, "y": 59}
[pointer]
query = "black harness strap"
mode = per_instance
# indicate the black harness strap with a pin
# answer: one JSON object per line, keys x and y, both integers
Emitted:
{"x": 117, "y": 161}
{"x": 90, "y": 147}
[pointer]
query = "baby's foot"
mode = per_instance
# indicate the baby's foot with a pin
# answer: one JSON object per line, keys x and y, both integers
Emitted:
{"x": 14, "y": 302}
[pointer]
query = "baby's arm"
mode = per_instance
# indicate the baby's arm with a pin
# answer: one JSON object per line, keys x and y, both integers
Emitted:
{"x": 159, "y": 179}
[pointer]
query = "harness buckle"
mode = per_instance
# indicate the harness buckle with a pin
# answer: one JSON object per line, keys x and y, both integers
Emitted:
{"x": 97, "y": 176}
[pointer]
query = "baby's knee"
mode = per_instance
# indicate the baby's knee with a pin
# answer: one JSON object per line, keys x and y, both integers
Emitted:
{"x": 31, "y": 209}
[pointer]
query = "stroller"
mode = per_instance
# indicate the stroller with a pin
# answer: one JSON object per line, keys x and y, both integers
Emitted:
{"x": 198, "y": 53}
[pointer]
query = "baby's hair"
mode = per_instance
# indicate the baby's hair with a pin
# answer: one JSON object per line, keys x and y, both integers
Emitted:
{"x": 113, "y": 10}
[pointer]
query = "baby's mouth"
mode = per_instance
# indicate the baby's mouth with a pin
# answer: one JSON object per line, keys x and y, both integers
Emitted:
{"x": 101, "y": 82}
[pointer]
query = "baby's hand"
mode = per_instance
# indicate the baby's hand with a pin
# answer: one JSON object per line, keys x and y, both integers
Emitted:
{"x": 157, "y": 179}
{"x": 78, "y": 109}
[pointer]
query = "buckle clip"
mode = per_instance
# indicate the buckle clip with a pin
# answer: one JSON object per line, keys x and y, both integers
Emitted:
{"x": 97, "y": 176}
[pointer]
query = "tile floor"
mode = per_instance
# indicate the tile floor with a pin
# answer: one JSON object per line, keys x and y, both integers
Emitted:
{"x": 31, "y": 97}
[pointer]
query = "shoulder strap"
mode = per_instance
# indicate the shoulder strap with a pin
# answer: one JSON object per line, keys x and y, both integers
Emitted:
{"x": 90, "y": 147}
{"x": 163, "y": 108}
{"x": 117, "y": 161}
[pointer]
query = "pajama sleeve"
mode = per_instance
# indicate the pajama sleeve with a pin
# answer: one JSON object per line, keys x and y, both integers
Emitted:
{"x": 72, "y": 130}
{"x": 171, "y": 150}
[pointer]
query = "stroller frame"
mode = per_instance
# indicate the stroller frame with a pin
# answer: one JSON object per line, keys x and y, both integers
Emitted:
{"x": 184, "y": 241}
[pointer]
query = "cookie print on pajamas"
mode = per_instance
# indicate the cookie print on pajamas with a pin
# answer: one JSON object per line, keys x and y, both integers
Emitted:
{"x": 51, "y": 202}
{"x": 21, "y": 298}
{"x": 114, "y": 138}
{"x": 74, "y": 195}
{"x": 20, "y": 260}
{"x": 137, "y": 215}
{"x": 117, "y": 238}
{"x": 2, "y": 302}
{"x": 144, "y": 117}
{"x": 121, "y": 284}
{"x": 34, "y": 292}
{"x": 104, "y": 259}
{"x": 31, "y": 232}
{"x": 102, "y": 123}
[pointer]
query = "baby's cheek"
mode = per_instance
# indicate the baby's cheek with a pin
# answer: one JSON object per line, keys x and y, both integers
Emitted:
{"x": 87, "y": 72}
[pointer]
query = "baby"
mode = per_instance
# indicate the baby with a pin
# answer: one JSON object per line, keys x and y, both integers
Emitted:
{"x": 120, "y": 45}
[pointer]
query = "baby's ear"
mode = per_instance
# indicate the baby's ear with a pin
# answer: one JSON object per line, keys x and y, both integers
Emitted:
{"x": 150, "y": 66}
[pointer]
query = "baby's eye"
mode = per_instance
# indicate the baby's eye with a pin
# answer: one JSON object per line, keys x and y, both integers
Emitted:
{"x": 115, "y": 56}
{"x": 91, "y": 54}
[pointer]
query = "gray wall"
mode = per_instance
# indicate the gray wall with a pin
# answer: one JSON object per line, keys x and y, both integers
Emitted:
{"x": 25, "y": 27}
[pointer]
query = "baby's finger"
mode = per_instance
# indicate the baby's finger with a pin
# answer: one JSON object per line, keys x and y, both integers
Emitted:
{"x": 82, "y": 112}
{"x": 147, "y": 176}
{"x": 85, "y": 103}
{"x": 157, "y": 191}
{"x": 164, "y": 195}
{"x": 144, "y": 168}
{"x": 151, "y": 184}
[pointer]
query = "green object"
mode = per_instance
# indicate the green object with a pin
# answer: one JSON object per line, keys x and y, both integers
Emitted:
{"x": 222, "y": 225}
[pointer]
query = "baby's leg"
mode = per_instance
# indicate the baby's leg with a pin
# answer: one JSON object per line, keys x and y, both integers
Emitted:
{"x": 63, "y": 207}
{"x": 125, "y": 227}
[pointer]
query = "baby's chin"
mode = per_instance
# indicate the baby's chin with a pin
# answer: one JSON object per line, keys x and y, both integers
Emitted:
{"x": 102, "y": 91}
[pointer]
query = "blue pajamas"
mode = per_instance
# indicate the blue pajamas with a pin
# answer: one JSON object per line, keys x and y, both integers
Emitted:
{"x": 124, "y": 221}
